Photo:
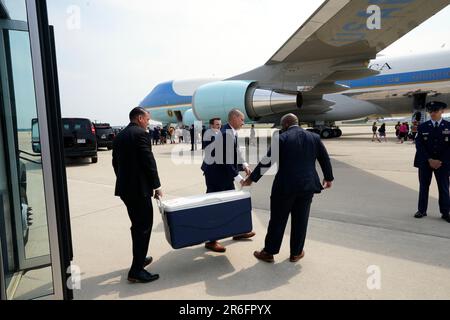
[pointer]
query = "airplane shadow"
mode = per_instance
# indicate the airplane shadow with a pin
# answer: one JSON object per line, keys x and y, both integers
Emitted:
{"x": 364, "y": 200}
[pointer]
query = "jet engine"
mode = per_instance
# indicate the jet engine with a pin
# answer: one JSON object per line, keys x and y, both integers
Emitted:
{"x": 217, "y": 99}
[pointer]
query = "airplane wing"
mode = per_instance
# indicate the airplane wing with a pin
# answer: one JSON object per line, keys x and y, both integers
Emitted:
{"x": 340, "y": 28}
{"x": 338, "y": 41}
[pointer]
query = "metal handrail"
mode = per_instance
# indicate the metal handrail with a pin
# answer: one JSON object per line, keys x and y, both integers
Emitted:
{"x": 30, "y": 155}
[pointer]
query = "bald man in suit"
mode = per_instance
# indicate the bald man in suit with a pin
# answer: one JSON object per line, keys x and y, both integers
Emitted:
{"x": 294, "y": 186}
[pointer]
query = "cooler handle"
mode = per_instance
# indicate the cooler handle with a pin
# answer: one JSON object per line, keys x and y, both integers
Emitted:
{"x": 160, "y": 206}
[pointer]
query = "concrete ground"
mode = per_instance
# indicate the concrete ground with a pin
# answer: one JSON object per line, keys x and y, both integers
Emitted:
{"x": 363, "y": 242}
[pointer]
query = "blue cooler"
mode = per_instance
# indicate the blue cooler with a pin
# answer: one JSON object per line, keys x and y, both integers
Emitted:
{"x": 194, "y": 220}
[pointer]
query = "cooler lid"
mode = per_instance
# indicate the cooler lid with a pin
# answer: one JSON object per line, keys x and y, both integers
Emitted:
{"x": 204, "y": 200}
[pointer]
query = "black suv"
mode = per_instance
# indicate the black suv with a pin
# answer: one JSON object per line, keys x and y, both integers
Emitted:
{"x": 105, "y": 135}
{"x": 79, "y": 138}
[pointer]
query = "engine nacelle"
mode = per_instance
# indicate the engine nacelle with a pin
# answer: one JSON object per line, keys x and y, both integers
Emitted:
{"x": 217, "y": 99}
{"x": 189, "y": 118}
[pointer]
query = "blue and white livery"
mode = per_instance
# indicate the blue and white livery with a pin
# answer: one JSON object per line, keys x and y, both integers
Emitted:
{"x": 327, "y": 71}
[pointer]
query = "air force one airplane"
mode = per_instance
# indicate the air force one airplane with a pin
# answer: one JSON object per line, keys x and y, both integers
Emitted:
{"x": 327, "y": 71}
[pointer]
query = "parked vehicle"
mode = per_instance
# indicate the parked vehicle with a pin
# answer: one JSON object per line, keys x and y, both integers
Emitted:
{"x": 105, "y": 135}
{"x": 80, "y": 139}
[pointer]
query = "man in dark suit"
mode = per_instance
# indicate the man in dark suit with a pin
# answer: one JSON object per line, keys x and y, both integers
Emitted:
{"x": 193, "y": 132}
{"x": 294, "y": 186}
{"x": 203, "y": 137}
{"x": 222, "y": 166}
{"x": 137, "y": 181}
{"x": 433, "y": 157}
{"x": 209, "y": 136}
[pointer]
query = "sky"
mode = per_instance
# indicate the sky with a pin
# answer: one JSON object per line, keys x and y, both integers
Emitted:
{"x": 112, "y": 53}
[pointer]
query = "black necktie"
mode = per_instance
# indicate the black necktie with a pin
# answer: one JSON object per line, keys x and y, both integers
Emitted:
{"x": 436, "y": 125}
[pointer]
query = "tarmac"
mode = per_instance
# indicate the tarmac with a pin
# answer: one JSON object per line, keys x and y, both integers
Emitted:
{"x": 363, "y": 242}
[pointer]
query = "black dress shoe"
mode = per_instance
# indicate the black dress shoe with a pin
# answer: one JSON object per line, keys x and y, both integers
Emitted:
{"x": 142, "y": 277}
{"x": 446, "y": 218}
{"x": 148, "y": 261}
{"x": 420, "y": 215}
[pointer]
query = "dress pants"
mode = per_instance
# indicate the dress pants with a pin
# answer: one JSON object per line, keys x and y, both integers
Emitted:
{"x": 140, "y": 211}
{"x": 442, "y": 179}
{"x": 298, "y": 205}
{"x": 213, "y": 185}
{"x": 217, "y": 186}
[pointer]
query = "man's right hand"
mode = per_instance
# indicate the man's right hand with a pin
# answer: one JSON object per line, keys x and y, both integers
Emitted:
{"x": 158, "y": 194}
{"x": 435, "y": 164}
{"x": 247, "y": 182}
{"x": 327, "y": 184}
{"x": 248, "y": 171}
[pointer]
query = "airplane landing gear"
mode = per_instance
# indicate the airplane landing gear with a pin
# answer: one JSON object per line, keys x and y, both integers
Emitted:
{"x": 326, "y": 131}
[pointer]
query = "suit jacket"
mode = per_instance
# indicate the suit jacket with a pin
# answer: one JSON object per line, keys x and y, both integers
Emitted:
{"x": 134, "y": 163}
{"x": 210, "y": 136}
{"x": 432, "y": 143}
{"x": 228, "y": 159}
{"x": 298, "y": 152}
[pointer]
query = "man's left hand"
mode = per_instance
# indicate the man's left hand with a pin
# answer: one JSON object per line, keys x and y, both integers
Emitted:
{"x": 248, "y": 171}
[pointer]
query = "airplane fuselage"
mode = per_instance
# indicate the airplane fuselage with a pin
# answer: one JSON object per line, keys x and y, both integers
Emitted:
{"x": 403, "y": 83}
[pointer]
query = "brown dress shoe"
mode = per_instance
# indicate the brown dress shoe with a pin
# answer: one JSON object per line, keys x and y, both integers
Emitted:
{"x": 244, "y": 236}
{"x": 264, "y": 256}
{"x": 297, "y": 258}
{"x": 215, "y": 246}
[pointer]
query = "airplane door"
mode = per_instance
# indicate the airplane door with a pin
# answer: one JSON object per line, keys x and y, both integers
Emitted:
{"x": 34, "y": 222}
{"x": 179, "y": 117}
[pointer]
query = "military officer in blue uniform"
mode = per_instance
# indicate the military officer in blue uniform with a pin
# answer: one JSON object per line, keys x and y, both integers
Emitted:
{"x": 433, "y": 156}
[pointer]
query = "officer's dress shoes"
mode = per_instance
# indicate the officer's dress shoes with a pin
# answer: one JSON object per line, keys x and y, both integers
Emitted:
{"x": 142, "y": 277}
{"x": 446, "y": 218}
{"x": 420, "y": 215}
{"x": 264, "y": 256}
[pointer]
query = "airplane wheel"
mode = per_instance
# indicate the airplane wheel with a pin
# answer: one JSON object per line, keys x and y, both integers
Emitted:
{"x": 338, "y": 133}
{"x": 317, "y": 131}
{"x": 326, "y": 134}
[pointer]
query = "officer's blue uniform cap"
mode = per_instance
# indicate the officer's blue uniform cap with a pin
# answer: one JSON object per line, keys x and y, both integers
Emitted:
{"x": 435, "y": 106}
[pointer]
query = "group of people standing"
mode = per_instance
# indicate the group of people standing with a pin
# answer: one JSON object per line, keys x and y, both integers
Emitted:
{"x": 380, "y": 133}
{"x": 294, "y": 187}
{"x": 295, "y": 184}
{"x": 162, "y": 135}
{"x": 403, "y": 132}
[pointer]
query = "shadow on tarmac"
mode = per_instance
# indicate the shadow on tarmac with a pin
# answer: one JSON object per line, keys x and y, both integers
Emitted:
{"x": 362, "y": 212}
{"x": 189, "y": 266}
{"x": 360, "y": 200}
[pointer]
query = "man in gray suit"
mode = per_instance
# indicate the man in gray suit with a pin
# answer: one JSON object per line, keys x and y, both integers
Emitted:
{"x": 294, "y": 187}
